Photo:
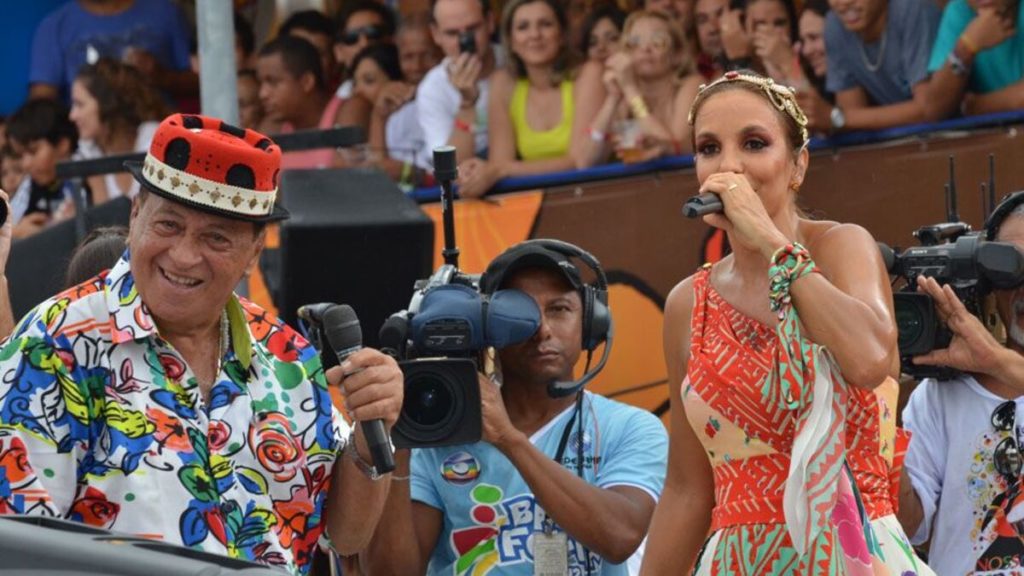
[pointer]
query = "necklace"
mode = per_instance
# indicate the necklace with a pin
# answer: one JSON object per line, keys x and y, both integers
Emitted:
{"x": 224, "y": 341}
{"x": 881, "y": 55}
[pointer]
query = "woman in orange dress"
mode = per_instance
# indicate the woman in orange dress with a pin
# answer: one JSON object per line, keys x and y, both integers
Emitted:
{"x": 767, "y": 347}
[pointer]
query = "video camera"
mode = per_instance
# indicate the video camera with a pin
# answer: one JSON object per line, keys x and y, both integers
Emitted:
{"x": 439, "y": 338}
{"x": 951, "y": 253}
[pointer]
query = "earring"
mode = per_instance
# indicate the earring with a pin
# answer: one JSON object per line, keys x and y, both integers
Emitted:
{"x": 794, "y": 186}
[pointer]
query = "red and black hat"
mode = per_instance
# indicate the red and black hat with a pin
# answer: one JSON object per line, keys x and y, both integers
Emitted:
{"x": 212, "y": 166}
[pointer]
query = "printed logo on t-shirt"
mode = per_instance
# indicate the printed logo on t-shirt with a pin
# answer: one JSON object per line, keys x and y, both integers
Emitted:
{"x": 502, "y": 534}
{"x": 998, "y": 508}
{"x": 460, "y": 468}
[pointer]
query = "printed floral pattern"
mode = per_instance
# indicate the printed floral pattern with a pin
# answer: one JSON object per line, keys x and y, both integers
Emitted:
{"x": 102, "y": 422}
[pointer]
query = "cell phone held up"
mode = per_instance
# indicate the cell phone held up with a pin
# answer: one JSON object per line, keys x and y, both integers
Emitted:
{"x": 467, "y": 42}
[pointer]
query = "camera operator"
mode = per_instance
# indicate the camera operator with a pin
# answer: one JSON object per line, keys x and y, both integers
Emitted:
{"x": 964, "y": 460}
{"x": 531, "y": 490}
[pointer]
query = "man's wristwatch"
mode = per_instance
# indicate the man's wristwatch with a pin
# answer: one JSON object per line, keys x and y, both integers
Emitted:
{"x": 957, "y": 65}
{"x": 837, "y": 118}
{"x": 353, "y": 453}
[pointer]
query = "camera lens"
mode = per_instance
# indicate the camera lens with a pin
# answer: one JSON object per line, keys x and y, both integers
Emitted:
{"x": 910, "y": 325}
{"x": 430, "y": 401}
{"x": 441, "y": 405}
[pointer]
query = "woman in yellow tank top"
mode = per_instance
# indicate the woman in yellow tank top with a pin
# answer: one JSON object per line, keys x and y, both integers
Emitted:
{"x": 532, "y": 124}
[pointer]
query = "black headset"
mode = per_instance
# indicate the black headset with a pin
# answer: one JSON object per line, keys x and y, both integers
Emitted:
{"x": 597, "y": 317}
{"x": 995, "y": 219}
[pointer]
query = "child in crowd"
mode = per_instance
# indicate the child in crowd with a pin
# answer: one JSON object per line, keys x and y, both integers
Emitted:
{"x": 11, "y": 173}
{"x": 41, "y": 133}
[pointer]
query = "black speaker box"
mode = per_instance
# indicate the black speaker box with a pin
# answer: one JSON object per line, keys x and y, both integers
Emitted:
{"x": 353, "y": 238}
{"x": 35, "y": 269}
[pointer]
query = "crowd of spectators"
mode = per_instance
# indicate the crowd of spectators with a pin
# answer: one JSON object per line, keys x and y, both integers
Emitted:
{"x": 518, "y": 87}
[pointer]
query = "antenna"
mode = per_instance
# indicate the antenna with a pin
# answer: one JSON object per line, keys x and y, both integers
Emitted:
{"x": 985, "y": 206}
{"x": 991, "y": 184}
{"x": 952, "y": 215}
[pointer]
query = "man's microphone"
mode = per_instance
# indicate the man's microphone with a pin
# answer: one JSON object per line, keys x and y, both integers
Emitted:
{"x": 341, "y": 325}
{"x": 706, "y": 203}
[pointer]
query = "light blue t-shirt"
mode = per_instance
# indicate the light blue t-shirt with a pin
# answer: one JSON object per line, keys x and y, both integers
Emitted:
{"x": 888, "y": 69}
{"x": 490, "y": 514}
{"x": 993, "y": 69}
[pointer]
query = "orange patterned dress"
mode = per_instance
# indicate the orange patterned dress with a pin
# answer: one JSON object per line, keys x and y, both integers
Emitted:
{"x": 785, "y": 501}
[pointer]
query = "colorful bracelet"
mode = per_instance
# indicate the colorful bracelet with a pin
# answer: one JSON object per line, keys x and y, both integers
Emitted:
{"x": 639, "y": 107}
{"x": 789, "y": 263}
{"x": 464, "y": 126}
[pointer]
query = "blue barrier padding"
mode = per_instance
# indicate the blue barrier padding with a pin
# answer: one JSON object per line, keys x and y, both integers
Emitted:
{"x": 619, "y": 170}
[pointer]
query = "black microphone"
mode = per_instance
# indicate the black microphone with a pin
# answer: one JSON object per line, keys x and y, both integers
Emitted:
{"x": 706, "y": 203}
{"x": 346, "y": 338}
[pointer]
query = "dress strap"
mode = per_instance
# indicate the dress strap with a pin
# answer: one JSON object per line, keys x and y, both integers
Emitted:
{"x": 698, "y": 317}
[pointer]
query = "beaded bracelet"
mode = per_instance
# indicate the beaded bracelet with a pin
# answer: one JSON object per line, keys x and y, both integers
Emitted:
{"x": 789, "y": 263}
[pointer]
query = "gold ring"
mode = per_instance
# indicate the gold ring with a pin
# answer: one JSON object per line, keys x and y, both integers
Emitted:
{"x": 732, "y": 187}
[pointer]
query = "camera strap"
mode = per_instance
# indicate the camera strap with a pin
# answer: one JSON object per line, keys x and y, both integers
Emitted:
{"x": 560, "y": 453}
{"x": 563, "y": 443}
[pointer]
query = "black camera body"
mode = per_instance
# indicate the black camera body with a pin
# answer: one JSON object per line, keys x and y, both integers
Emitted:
{"x": 467, "y": 42}
{"x": 955, "y": 256}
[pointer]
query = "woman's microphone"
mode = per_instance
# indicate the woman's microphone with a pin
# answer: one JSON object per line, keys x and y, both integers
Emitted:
{"x": 701, "y": 204}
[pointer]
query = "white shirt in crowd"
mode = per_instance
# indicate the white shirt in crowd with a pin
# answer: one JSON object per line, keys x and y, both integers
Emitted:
{"x": 404, "y": 135}
{"x": 973, "y": 516}
{"x": 437, "y": 103}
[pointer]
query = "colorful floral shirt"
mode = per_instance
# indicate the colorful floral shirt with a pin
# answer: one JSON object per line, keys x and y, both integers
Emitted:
{"x": 102, "y": 421}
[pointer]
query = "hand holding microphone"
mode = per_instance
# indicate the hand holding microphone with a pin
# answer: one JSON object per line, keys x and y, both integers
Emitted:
{"x": 727, "y": 200}
{"x": 372, "y": 382}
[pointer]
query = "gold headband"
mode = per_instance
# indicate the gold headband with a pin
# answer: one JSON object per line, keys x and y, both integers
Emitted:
{"x": 782, "y": 97}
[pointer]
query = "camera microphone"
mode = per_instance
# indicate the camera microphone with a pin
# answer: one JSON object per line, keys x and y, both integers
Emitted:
{"x": 341, "y": 325}
{"x": 445, "y": 166}
{"x": 706, "y": 203}
{"x": 393, "y": 335}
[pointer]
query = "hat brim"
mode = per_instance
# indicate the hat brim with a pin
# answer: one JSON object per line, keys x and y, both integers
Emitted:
{"x": 135, "y": 167}
{"x": 527, "y": 255}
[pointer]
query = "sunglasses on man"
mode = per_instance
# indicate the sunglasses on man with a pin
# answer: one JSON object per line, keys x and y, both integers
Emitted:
{"x": 371, "y": 33}
{"x": 1007, "y": 456}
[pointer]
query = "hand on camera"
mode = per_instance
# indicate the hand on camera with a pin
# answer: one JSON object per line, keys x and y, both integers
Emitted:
{"x": 972, "y": 349}
{"x": 373, "y": 386}
{"x": 497, "y": 428}
{"x": 464, "y": 73}
{"x": 745, "y": 218}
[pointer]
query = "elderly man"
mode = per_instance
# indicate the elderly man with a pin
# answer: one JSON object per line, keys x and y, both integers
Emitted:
{"x": 151, "y": 400}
